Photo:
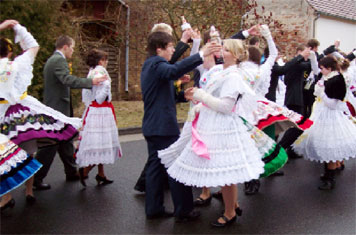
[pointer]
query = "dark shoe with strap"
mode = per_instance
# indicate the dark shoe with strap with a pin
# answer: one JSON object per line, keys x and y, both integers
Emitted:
{"x": 103, "y": 180}
{"x": 30, "y": 199}
{"x": 227, "y": 222}
{"x": 202, "y": 202}
{"x": 9, "y": 204}
{"x": 164, "y": 214}
{"x": 238, "y": 211}
{"x": 193, "y": 215}
{"x": 327, "y": 185}
{"x": 41, "y": 186}
{"x": 218, "y": 195}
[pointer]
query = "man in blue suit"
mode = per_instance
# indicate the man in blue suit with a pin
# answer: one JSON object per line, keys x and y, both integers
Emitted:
{"x": 160, "y": 126}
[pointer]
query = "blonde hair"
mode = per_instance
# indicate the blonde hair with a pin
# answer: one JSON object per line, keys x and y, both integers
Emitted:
{"x": 237, "y": 48}
{"x": 162, "y": 27}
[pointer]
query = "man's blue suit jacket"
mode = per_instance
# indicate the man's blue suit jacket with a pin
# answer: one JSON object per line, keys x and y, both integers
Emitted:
{"x": 158, "y": 93}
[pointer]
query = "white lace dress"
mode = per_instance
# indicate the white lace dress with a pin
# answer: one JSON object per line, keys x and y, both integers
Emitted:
{"x": 99, "y": 139}
{"x": 234, "y": 158}
{"x": 333, "y": 134}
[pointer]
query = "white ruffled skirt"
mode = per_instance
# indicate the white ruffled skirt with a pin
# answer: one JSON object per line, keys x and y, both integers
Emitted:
{"x": 99, "y": 139}
{"x": 234, "y": 157}
{"x": 331, "y": 138}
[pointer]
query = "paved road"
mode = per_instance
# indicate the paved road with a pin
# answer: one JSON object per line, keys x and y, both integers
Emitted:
{"x": 285, "y": 205}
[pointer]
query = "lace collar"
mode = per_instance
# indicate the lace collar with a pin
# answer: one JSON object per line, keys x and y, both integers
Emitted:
{"x": 330, "y": 75}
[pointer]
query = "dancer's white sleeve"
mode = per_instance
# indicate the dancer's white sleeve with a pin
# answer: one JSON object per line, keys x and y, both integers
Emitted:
{"x": 24, "y": 37}
{"x": 330, "y": 103}
{"x": 223, "y": 105}
{"x": 314, "y": 63}
{"x": 103, "y": 92}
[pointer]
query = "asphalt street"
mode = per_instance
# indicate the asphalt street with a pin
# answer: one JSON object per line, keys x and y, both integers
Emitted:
{"x": 289, "y": 204}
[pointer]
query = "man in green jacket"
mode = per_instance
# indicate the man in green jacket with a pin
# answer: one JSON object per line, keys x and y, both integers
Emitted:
{"x": 57, "y": 84}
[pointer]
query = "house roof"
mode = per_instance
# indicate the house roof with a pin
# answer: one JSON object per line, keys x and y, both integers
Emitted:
{"x": 345, "y": 9}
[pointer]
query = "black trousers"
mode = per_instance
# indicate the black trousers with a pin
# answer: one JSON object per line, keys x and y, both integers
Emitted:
{"x": 292, "y": 134}
{"x": 46, "y": 155}
{"x": 156, "y": 173}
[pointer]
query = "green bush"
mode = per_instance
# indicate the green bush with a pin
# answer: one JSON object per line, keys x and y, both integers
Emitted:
{"x": 45, "y": 20}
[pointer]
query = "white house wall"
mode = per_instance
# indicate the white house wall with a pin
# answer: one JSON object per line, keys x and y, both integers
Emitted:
{"x": 328, "y": 29}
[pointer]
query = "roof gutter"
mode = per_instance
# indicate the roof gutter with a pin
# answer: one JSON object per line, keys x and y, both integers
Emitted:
{"x": 127, "y": 45}
{"x": 314, "y": 21}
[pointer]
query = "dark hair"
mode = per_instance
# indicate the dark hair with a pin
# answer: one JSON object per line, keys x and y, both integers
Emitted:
{"x": 329, "y": 62}
{"x": 158, "y": 40}
{"x": 94, "y": 56}
{"x": 253, "y": 41}
{"x": 254, "y": 54}
{"x": 335, "y": 87}
{"x": 63, "y": 40}
{"x": 6, "y": 47}
{"x": 206, "y": 36}
{"x": 313, "y": 43}
{"x": 266, "y": 51}
{"x": 300, "y": 47}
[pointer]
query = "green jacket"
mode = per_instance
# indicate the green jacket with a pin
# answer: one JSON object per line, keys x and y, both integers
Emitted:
{"x": 57, "y": 84}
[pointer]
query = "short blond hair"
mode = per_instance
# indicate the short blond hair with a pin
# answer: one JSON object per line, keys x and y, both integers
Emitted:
{"x": 237, "y": 48}
{"x": 162, "y": 27}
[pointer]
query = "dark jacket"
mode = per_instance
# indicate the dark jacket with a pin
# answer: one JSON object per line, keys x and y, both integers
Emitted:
{"x": 158, "y": 93}
{"x": 297, "y": 71}
{"x": 57, "y": 84}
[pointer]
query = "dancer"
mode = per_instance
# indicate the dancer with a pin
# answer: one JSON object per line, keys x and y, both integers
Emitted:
{"x": 23, "y": 119}
{"x": 332, "y": 138}
{"x": 219, "y": 151}
{"x": 99, "y": 139}
{"x": 17, "y": 167}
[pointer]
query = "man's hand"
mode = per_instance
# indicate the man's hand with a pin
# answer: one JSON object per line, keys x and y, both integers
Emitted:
{"x": 187, "y": 34}
{"x": 254, "y": 30}
{"x": 337, "y": 43}
{"x": 188, "y": 93}
{"x": 185, "y": 79}
{"x": 8, "y": 24}
{"x": 211, "y": 48}
{"x": 98, "y": 80}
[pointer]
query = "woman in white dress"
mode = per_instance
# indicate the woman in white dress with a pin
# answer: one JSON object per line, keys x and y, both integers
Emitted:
{"x": 99, "y": 139}
{"x": 332, "y": 137}
{"x": 220, "y": 150}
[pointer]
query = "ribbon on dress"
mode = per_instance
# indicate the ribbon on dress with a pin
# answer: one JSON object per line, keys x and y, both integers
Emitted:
{"x": 198, "y": 144}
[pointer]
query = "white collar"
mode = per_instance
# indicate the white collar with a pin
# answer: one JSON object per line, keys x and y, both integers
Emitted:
{"x": 330, "y": 75}
{"x": 60, "y": 53}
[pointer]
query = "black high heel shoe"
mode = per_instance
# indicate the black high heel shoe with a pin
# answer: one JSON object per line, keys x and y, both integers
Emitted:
{"x": 10, "y": 204}
{"x": 103, "y": 180}
{"x": 227, "y": 222}
{"x": 238, "y": 211}
{"x": 30, "y": 199}
{"x": 82, "y": 177}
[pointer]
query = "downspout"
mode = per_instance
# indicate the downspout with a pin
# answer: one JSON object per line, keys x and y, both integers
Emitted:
{"x": 315, "y": 19}
{"x": 127, "y": 46}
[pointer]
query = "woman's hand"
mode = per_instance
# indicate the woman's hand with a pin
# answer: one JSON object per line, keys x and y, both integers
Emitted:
{"x": 188, "y": 93}
{"x": 8, "y": 24}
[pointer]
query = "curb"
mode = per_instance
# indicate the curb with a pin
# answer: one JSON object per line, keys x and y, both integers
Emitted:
{"x": 138, "y": 129}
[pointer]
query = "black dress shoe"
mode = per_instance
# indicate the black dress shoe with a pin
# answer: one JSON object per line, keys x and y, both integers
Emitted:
{"x": 70, "y": 178}
{"x": 9, "y": 204}
{"x": 193, "y": 215}
{"x": 253, "y": 187}
{"x": 202, "y": 202}
{"x": 30, "y": 199}
{"x": 227, "y": 222}
{"x": 218, "y": 195}
{"x": 164, "y": 214}
{"x": 278, "y": 173}
{"x": 82, "y": 177}
{"x": 140, "y": 188}
{"x": 41, "y": 186}
{"x": 327, "y": 185}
